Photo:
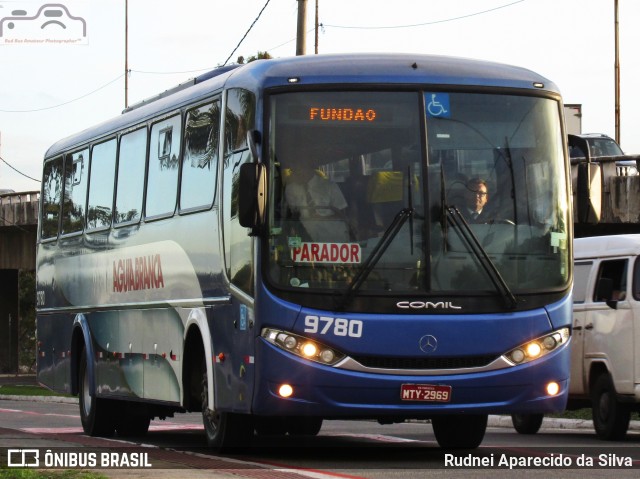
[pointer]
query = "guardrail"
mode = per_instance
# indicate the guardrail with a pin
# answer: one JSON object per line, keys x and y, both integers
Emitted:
{"x": 20, "y": 197}
{"x": 19, "y": 208}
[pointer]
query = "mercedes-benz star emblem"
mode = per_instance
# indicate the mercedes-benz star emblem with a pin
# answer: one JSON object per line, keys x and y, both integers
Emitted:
{"x": 428, "y": 344}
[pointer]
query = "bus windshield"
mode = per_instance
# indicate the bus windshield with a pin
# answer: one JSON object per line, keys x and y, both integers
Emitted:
{"x": 379, "y": 189}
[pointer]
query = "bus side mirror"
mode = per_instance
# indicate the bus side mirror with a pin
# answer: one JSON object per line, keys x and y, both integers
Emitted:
{"x": 252, "y": 188}
{"x": 252, "y": 197}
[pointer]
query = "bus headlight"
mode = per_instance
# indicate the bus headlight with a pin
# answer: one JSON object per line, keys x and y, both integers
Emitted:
{"x": 304, "y": 347}
{"x": 538, "y": 347}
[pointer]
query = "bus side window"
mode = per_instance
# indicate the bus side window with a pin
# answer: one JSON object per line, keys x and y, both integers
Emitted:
{"x": 131, "y": 164}
{"x": 76, "y": 172}
{"x": 51, "y": 198}
{"x": 164, "y": 151}
{"x": 200, "y": 159}
{"x": 614, "y": 271}
{"x": 103, "y": 170}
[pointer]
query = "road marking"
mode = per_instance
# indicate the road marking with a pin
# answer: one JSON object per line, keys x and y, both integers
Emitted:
{"x": 375, "y": 437}
{"x": 78, "y": 430}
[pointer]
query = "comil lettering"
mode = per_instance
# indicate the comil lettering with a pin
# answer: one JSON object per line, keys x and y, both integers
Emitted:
{"x": 136, "y": 274}
{"x": 342, "y": 114}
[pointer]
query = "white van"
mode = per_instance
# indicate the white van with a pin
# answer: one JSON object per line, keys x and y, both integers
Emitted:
{"x": 605, "y": 349}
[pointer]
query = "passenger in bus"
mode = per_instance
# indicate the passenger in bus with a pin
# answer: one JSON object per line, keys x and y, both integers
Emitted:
{"x": 477, "y": 194}
{"x": 318, "y": 203}
{"x": 309, "y": 193}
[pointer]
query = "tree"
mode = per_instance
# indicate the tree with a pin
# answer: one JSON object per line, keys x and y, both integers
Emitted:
{"x": 260, "y": 56}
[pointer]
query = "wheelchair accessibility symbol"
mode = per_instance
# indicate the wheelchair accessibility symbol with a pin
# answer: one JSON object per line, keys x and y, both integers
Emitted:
{"x": 438, "y": 105}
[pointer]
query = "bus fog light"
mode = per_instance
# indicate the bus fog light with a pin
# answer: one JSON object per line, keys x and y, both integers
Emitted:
{"x": 553, "y": 388}
{"x": 285, "y": 390}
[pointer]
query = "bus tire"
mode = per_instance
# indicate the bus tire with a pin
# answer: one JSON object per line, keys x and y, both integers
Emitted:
{"x": 270, "y": 425}
{"x": 304, "y": 426}
{"x": 527, "y": 423}
{"x": 96, "y": 414}
{"x": 132, "y": 425}
{"x": 459, "y": 431}
{"x": 610, "y": 417}
{"x": 225, "y": 431}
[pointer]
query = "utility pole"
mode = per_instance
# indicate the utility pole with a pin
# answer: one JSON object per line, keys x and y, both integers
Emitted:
{"x": 301, "y": 40}
{"x": 126, "y": 53}
{"x": 617, "y": 72}
{"x": 317, "y": 27}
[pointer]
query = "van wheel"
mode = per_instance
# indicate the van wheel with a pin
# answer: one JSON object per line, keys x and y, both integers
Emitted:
{"x": 460, "y": 431}
{"x": 610, "y": 417}
{"x": 96, "y": 414}
{"x": 224, "y": 430}
{"x": 527, "y": 423}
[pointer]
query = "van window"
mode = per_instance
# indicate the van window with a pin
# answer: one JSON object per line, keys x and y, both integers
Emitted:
{"x": 616, "y": 271}
{"x": 636, "y": 279}
{"x": 581, "y": 273}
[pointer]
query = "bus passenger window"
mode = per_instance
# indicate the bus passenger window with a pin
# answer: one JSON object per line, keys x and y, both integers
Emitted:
{"x": 75, "y": 191}
{"x": 103, "y": 170}
{"x": 162, "y": 184}
{"x": 51, "y": 196}
{"x": 131, "y": 163}
{"x": 201, "y": 153}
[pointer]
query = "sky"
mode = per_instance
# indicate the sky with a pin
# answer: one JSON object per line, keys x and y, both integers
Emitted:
{"x": 57, "y": 80}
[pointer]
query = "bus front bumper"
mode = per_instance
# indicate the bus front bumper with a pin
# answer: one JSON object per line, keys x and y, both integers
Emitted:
{"x": 331, "y": 392}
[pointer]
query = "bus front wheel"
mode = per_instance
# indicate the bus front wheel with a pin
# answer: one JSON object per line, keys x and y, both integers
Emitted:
{"x": 460, "y": 431}
{"x": 95, "y": 413}
{"x": 224, "y": 430}
{"x": 527, "y": 423}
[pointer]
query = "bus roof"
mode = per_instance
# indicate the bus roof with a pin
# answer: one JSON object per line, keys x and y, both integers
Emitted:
{"x": 606, "y": 246}
{"x": 376, "y": 70}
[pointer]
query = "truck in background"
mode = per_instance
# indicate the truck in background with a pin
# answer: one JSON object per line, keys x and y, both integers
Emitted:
{"x": 573, "y": 118}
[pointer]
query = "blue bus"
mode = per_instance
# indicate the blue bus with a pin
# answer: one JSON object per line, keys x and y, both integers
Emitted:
{"x": 284, "y": 242}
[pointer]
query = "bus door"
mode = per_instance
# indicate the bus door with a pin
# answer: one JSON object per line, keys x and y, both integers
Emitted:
{"x": 233, "y": 325}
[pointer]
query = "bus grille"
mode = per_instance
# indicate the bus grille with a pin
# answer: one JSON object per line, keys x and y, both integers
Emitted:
{"x": 378, "y": 362}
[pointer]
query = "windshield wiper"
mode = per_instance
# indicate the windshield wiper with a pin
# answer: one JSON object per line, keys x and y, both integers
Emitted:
{"x": 376, "y": 254}
{"x": 457, "y": 220}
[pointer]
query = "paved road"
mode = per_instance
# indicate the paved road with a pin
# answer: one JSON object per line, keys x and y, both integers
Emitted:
{"x": 343, "y": 449}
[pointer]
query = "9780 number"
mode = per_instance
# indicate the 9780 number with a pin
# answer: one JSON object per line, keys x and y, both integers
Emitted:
{"x": 337, "y": 326}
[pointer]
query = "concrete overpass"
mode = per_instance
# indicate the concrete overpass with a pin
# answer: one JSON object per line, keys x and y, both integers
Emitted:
{"x": 18, "y": 233}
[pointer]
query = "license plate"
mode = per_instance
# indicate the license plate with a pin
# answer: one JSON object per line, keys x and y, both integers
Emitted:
{"x": 425, "y": 392}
